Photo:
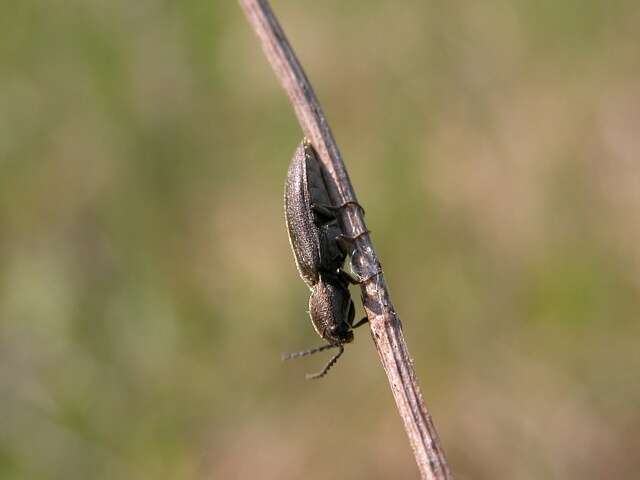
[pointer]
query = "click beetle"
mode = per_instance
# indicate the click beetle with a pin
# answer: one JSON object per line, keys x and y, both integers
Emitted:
{"x": 319, "y": 249}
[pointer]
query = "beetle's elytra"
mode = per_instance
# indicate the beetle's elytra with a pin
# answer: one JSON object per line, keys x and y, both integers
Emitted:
{"x": 318, "y": 246}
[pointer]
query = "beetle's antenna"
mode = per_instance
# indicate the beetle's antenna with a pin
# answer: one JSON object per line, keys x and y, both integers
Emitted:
{"x": 289, "y": 356}
{"x": 327, "y": 367}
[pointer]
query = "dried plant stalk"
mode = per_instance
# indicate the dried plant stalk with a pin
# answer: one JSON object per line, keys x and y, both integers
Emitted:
{"x": 385, "y": 325}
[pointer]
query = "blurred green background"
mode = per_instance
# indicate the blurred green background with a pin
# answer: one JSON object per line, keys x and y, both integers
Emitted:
{"x": 147, "y": 288}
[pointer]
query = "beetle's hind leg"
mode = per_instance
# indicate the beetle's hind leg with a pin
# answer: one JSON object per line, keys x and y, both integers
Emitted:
{"x": 348, "y": 277}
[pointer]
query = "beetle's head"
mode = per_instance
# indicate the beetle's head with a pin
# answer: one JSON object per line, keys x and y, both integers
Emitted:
{"x": 332, "y": 312}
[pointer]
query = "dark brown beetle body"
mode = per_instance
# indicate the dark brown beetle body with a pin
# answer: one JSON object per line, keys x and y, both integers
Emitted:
{"x": 312, "y": 226}
{"x": 316, "y": 240}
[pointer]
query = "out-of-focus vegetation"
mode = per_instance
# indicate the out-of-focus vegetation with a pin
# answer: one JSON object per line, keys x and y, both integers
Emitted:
{"x": 146, "y": 283}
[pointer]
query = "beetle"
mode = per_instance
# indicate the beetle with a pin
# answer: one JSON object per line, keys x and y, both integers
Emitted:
{"x": 319, "y": 248}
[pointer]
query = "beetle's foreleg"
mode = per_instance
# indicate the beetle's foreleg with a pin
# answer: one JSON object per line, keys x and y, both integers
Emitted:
{"x": 327, "y": 367}
{"x": 360, "y": 323}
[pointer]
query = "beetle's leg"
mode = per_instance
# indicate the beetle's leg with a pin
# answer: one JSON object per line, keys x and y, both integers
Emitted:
{"x": 304, "y": 353}
{"x": 360, "y": 322}
{"x": 350, "y": 202}
{"x": 345, "y": 242}
{"x": 324, "y": 210}
{"x": 348, "y": 277}
{"x": 352, "y": 313}
{"x": 354, "y": 279}
{"x": 327, "y": 367}
{"x": 324, "y": 213}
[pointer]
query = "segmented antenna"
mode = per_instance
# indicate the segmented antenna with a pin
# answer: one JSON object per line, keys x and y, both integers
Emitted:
{"x": 327, "y": 367}
{"x": 289, "y": 356}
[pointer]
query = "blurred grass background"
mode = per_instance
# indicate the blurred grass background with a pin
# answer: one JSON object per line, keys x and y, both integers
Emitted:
{"x": 146, "y": 283}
